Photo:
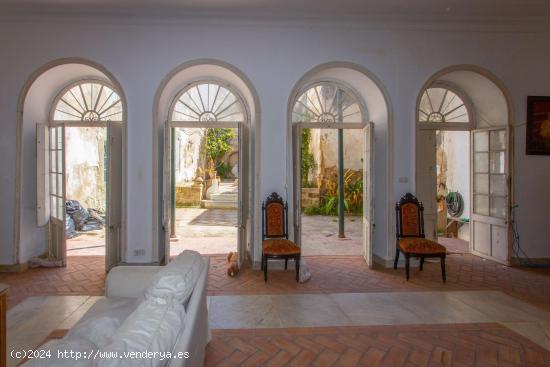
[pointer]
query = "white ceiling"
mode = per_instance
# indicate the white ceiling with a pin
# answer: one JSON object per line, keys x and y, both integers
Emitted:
{"x": 435, "y": 10}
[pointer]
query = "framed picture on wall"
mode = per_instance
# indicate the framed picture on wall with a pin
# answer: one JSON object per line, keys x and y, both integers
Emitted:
{"x": 538, "y": 125}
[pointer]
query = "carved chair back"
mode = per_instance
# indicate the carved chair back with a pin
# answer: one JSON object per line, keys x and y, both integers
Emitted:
{"x": 410, "y": 217}
{"x": 275, "y": 217}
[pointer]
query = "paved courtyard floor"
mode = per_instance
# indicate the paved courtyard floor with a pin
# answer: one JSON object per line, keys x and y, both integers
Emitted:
{"x": 214, "y": 231}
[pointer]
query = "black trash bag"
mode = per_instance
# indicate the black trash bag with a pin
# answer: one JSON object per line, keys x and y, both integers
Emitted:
{"x": 70, "y": 230}
{"x": 77, "y": 212}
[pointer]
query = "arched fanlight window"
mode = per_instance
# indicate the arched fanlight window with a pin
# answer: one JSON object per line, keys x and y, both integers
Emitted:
{"x": 88, "y": 101}
{"x": 208, "y": 102}
{"x": 325, "y": 103}
{"x": 441, "y": 105}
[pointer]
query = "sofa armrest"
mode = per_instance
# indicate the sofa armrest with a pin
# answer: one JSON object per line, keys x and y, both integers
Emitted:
{"x": 129, "y": 281}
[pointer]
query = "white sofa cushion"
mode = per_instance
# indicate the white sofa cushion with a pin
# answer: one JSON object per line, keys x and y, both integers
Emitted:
{"x": 153, "y": 328}
{"x": 79, "y": 347}
{"x": 176, "y": 280}
{"x": 102, "y": 320}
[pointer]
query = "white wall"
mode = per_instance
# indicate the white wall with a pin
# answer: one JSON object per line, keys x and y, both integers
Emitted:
{"x": 274, "y": 56}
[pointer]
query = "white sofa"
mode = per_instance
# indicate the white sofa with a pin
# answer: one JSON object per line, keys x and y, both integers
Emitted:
{"x": 127, "y": 289}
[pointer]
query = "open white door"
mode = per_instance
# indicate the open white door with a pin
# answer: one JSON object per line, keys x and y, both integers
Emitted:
{"x": 114, "y": 196}
{"x": 368, "y": 189}
{"x": 57, "y": 245}
{"x": 297, "y": 183}
{"x": 42, "y": 175}
{"x": 167, "y": 190}
{"x": 489, "y": 229}
{"x": 426, "y": 178}
{"x": 243, "y": 191}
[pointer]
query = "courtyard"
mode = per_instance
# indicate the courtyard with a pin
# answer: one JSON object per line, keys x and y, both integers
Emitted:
{"x": 214, "y": 231}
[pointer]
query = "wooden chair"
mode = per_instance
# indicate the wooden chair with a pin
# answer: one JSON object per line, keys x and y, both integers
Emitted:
{"x": 411, "y": 240}
{"x": 275, "y": 242}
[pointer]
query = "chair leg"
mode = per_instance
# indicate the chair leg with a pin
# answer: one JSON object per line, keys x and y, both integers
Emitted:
{"x": 421, "y": 263}
{"x": 443, "y": 273}
{"x": 262, "y": 263}
{"x": 407, "y": 265}
{"x": 396, "y": 258}
{"x": 265, "y": 269}
{"x": 297, "y": 259}
{"x": 286, "y": 264}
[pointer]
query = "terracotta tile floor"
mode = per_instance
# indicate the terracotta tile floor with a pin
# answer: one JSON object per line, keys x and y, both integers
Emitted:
{"x": 350, "y": 274}
{"x": 411, "y": 345}
{"x": 84, "y": 275}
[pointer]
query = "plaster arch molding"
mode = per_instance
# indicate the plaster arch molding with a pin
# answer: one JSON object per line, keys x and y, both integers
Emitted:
{"x": 378, "y": 109}
{"x": 181, "y": 77}
{"x": 484, "y": 92}
{"x": 490, "y": 111}
{"x": 34, "y": 106}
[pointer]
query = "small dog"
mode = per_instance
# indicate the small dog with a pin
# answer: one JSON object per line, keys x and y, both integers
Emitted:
{"x": 232, "y": 264}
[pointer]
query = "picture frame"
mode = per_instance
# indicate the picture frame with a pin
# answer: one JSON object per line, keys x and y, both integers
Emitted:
{"x": 538, "y": 126}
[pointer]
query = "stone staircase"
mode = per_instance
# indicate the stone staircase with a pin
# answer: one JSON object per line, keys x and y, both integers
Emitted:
{"x": 226, "y": 198}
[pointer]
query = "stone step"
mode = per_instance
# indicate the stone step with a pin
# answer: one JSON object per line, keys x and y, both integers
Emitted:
{"x": 222, "y": 196}
{"x": 217, "y": 204}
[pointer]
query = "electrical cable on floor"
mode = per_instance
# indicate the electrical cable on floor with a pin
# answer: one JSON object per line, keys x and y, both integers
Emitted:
{"x": 517, "y": 250}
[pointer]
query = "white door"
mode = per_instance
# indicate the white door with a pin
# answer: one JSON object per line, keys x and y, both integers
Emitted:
{"x": 426, "y": 178}
{"x": 42, "y": 175}
{"x": 243, "y": 191}
{"x": 167, "y": 190}
{"x": 114, "y": 196}
{"x": 489, "y": 228}
{"x": 57, "y": 246}
{"x": 368, "y": 189}
{"x": 297, "y": 145}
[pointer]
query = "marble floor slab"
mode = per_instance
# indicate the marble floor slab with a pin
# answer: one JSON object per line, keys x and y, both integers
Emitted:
{"x": 397, "y": 308}
{"x": 31, "y": 321}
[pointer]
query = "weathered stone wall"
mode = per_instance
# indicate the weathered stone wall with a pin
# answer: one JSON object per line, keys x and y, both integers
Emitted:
{"x": 189, "y": 195}
{"x": 85, "y": 165}
{"x": 310, "y": 197}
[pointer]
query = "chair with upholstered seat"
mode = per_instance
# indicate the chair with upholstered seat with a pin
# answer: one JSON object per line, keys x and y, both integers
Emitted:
{"x": 411, "y": 239}
{"x": 275, "y": 242}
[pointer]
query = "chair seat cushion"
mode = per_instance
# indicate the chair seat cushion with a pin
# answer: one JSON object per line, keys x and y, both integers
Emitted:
{"x": 417, "y": 245}
{"x": 280, "y": 246}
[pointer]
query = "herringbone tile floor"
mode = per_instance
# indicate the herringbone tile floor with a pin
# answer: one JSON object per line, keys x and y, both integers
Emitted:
{"x": 84, "y": 275}
{"x": 341, "y": 274}
{"x": 460, "y": 345}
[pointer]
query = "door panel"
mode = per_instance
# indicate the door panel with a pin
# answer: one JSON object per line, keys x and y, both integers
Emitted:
{"x": 42, "y": 175}
{"x": 167, "y": 188}
{"x": 297, "y": 183}
{"x": 368, "y": 189}
{"x": 490, "y": 193}
{"x": 114, "y": 196}
{"x": 243, "y": 192}
{"x": 426, "y": 178}
{"x": 57, "y": 245}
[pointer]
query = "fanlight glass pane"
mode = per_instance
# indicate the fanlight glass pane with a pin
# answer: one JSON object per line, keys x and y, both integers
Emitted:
{"x": 327, "y": 103}
{"x": 208, "y": 102}
{"x": 89, "y": 101}
{"x": 440, "y": 105}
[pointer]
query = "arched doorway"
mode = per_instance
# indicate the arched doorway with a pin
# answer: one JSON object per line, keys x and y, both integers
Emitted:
{"x": 65, "y": 101}
{"x": 463, "y": 165}
{"x": 199, "y": 101}
{"x": 205, "y": 156}
{"x": 347, "y": 102}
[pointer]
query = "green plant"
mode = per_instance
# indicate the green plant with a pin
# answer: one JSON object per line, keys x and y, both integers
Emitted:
{"x": 224, "y": 170}
{"x": 218, "y": 145}
{"x": 218, "y": 142}
{"x": 308, "y": 161}
{"x": 312, "y": 210}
